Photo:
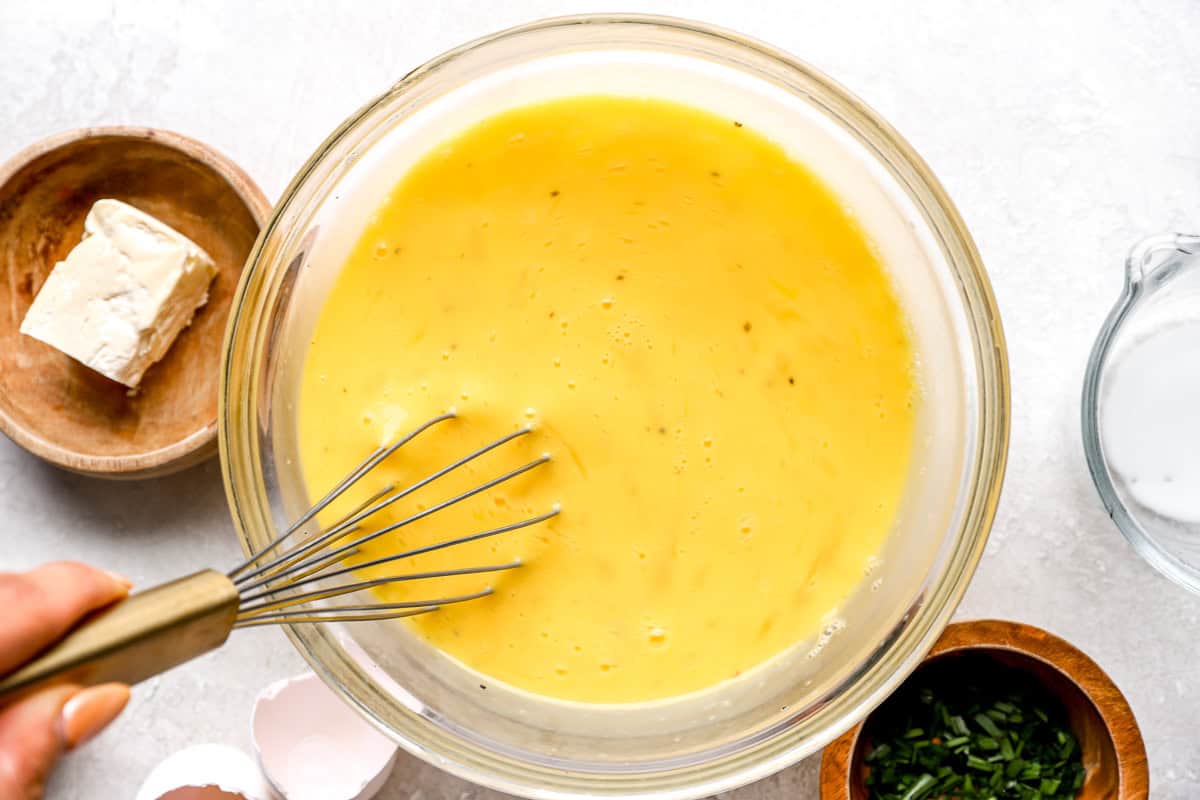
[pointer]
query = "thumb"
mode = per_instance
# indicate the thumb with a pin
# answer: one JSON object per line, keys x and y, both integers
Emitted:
{"x": 35, "y": 731}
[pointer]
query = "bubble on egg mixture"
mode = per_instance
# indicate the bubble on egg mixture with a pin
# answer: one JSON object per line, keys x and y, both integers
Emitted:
{"x": 831, "y": 629}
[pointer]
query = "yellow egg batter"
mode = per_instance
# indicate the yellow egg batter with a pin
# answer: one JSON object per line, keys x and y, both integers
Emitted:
{"x": 709, "y": 349}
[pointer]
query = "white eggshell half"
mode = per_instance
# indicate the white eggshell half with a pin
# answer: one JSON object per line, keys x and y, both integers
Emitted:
{"x": 207, "y": 772}
{"x": 313, "y": 746}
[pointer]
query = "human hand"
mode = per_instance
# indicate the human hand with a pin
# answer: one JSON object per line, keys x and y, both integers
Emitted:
{"x": 40, "y": 606}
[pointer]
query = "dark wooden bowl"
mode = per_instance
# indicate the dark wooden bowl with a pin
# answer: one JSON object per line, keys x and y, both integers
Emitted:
{"x": 54, "y": 406}
{"x": 1114, "y": 755}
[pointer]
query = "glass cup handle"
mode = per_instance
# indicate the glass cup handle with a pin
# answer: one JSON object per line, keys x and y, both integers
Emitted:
{"x": 1149, "y": 253}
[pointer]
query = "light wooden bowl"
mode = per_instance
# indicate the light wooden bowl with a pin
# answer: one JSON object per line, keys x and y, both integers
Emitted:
{"x": 1114, "y": 755}
{"x": 54, "y": 406}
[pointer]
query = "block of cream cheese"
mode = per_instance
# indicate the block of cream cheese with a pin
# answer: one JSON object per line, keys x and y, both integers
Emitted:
{"x": 123, "y": 294}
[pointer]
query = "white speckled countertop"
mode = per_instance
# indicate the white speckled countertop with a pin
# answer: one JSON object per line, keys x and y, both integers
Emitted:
{"x": 1064, "y": 132}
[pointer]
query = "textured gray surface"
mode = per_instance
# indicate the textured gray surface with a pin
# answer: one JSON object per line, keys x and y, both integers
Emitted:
{"x": 1064, "y": 131}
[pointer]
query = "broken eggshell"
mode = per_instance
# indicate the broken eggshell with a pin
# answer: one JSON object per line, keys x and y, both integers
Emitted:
{"x": 313, "y": 746}
{"x": 207, "y": 772}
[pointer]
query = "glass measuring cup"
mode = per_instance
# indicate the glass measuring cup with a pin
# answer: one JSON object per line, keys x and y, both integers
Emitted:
{"x": 1141, "y": 407}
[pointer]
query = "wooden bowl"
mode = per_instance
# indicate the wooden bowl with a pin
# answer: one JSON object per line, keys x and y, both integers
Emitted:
{"x": 52, "y": 405}
{"x": 1114, "y": 755}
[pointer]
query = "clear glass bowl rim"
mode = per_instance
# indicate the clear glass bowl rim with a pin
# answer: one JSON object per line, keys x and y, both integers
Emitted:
{"x": 893, "y": 659}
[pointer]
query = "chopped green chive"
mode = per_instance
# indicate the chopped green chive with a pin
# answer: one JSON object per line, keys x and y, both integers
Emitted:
{"x": 980, "y": 764}
{"x": 985, "y": 722}
{"x": 1006, "y": 749}
{"x": 921, "y": 788}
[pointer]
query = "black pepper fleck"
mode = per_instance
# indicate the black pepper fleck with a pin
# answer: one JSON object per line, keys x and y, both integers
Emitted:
{"x": 737, "y": 124}
{"x": 791, "y": 381}
{"x": 554, "y": 193}
{"x": 715, "y": 174}
{"x": 661, "y": 429}
{"x": 746, "y": 327}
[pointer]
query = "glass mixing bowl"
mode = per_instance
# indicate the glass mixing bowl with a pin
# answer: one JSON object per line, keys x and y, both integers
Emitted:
{"x": 771, "y": 716}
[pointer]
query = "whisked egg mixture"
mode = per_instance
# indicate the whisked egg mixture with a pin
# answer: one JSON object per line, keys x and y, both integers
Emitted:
{"x": 705, "y": 342}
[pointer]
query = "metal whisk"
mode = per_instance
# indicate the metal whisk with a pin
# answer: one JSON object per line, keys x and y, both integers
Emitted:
{"x": 154, "y": 630}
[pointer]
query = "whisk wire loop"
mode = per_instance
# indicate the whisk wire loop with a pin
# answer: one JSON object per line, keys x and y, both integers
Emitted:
{"x": 341, "y": 529}
{"x": 252, "y": 603}
{"x": 344, "y": 549}
{"x": 368, "y": 464}
{"x": 271, "y": 585}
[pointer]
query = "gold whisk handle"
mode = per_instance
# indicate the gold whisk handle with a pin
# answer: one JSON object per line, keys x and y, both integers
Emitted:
{"x": 141, "y": 636}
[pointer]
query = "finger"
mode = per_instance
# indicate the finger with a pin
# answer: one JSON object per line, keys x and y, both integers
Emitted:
{"x": 50, "y": 599}
{"x": 31, "y": 740}
{"x": 90, "y": 711}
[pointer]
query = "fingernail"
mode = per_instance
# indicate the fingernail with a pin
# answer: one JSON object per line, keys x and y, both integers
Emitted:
{"x": 125, "y": 583}
{"x": 87, "y": 713}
